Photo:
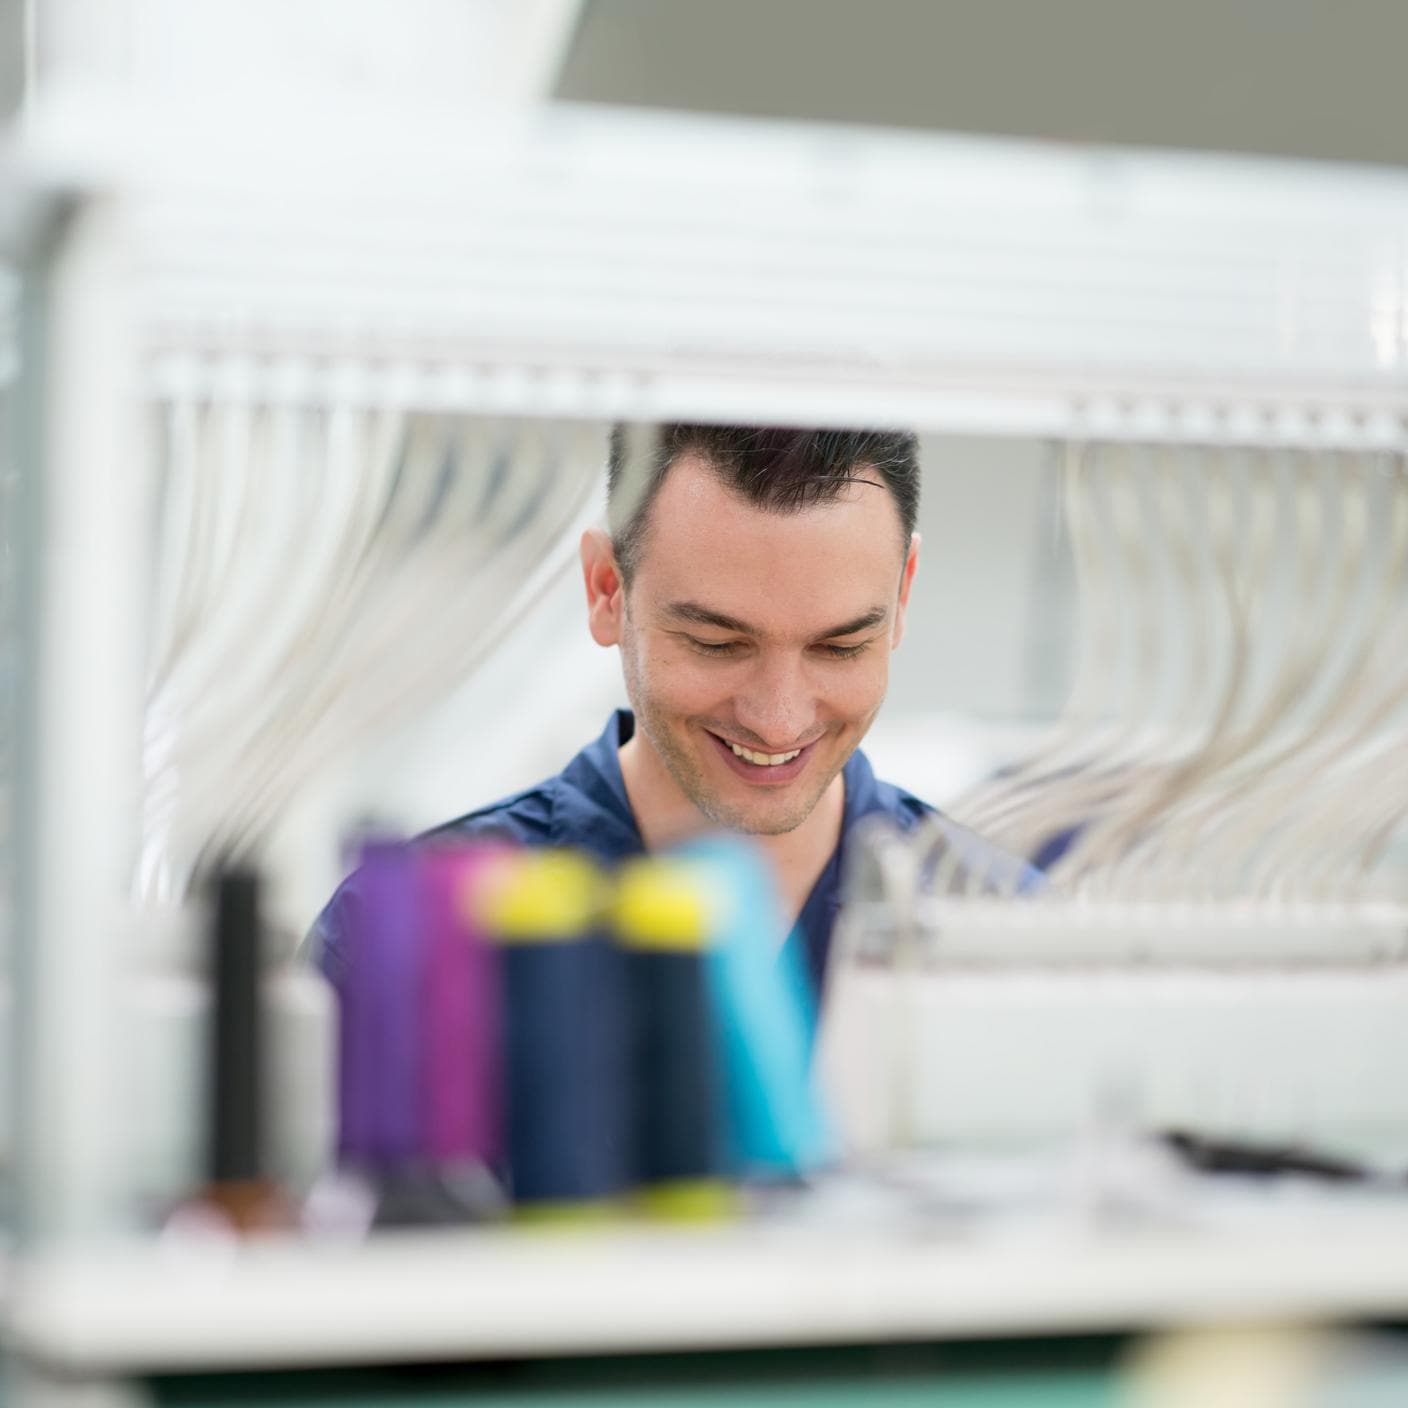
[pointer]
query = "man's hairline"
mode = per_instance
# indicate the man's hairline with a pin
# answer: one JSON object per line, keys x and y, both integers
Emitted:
{"x": 712, "y": 464}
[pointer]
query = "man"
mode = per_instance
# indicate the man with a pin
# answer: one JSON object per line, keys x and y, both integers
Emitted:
{"x": 755, "y": 582}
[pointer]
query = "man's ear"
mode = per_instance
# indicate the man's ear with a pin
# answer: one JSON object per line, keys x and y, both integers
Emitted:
{"x": 911, "y": 563}
{"x": 606, "y": 592}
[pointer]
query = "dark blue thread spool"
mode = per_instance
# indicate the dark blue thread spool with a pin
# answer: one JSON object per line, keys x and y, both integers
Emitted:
{"x": 567, "y": 1083}
{"x": 663, "y": 921}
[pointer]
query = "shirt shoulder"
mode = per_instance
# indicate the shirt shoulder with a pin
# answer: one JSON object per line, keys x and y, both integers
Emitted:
{"x": 526, "y": 817}
{"x": 903, "y": 808}
{"x": 981, "y": 864}
{"x": 584, "y": 806}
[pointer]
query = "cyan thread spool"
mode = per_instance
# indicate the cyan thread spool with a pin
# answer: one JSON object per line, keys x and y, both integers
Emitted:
{"x": 776, "y": 1125}
{"x": 566, "y": 1080}
{"x": 662, "y": 917}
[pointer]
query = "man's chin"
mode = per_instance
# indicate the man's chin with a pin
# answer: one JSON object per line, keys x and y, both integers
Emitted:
{"x": 753, "y": 815}
{"x": 769, "y": 828}
{"x": 754, "y": 822}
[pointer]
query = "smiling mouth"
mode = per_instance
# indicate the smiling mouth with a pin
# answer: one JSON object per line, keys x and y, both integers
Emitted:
{"x": 764, "y": 762}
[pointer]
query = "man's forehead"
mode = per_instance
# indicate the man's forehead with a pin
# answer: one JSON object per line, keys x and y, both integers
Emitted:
{"x": 788, "y": 573}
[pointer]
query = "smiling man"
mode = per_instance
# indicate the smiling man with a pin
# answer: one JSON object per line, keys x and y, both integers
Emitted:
{"x": 756, "y": 582}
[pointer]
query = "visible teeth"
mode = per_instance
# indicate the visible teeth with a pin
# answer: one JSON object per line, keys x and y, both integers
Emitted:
{"x": 764, "y": 760}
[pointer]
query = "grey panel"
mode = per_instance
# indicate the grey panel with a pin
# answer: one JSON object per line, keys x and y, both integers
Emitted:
{"x": 1280, "y": 77}
{"x": 12, "y": 52}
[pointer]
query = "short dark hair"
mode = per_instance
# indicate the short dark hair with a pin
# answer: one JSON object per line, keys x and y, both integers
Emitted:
{"x": 778, "y": 469}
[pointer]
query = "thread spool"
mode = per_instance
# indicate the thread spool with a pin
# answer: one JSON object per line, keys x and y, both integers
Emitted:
{"x": 662, "y": 918}
{"x": 566, "y": 1079}
{"x": 462, "y": 1003}
{"x": 237, "y": 1047}
{"x": 775, "y": 1125}
{"x": 454, "y": 1176}
{"x": 238, "y": 1187}
{"x": 380, "y": 1097}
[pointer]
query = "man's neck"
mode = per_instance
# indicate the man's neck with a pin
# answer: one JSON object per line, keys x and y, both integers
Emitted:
{"x": 665, "y": 816}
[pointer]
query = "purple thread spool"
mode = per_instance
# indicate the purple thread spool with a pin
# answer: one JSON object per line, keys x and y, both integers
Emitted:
{"x": 463, "y": 1036}
{"x": 382, "y": 1121}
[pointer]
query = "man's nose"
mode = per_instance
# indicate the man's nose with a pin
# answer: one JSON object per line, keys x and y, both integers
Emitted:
{"x": 777, "y": 704}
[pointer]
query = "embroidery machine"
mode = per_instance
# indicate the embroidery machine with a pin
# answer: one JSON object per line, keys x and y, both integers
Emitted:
{"x": 394, "y": 340}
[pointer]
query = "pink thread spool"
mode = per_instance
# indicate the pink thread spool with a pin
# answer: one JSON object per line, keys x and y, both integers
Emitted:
{"x": 462, "y": 1006}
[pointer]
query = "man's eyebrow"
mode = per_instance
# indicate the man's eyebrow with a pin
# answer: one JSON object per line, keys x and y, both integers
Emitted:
{"x": 876, "y": 616}
{"x": 698, "y": 615}
{"x": 701, "y": 616}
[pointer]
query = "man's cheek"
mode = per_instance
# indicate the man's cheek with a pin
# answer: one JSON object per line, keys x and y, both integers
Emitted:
{"x": 677, "y": 679}
{"x": 860, "y": 694}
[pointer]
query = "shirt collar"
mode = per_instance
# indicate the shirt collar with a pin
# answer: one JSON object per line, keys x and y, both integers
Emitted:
{"x": 862, "y": 791}
{"x": 593, "y": 779}
{"x": 596, "y": 773}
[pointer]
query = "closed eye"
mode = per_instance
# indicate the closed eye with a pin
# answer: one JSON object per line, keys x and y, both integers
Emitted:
{"x": 726, "y": 648}
{"x": 720, "y": 648}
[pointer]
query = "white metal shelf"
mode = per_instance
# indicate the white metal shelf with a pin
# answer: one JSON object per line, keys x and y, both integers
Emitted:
{"x": 590, "y": 263}
{"x": 462, "y": 1296}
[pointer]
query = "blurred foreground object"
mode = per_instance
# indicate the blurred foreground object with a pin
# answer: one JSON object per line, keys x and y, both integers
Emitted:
{"x": 633, "y": 1042}
{"x": 1006, "y": 1022}
{"x": 1266, "y": 1366}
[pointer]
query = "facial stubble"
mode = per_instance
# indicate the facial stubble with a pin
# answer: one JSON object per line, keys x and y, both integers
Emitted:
{"x": 683, "y": 769}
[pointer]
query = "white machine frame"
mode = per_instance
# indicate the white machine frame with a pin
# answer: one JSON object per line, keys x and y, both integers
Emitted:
{"x": 597, "y": 266}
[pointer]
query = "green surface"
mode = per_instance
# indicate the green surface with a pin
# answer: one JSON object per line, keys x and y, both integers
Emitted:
{"x": 975, "y": 1391}
{"x": 1055, "y": 1374}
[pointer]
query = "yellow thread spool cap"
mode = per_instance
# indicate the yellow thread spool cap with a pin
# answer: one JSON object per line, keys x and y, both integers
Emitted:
{"x": 566, "y": 1215}
{"x": 662, "y": 906}
{"x": 542, "y": 895}
{"x": 688, "y": 1200}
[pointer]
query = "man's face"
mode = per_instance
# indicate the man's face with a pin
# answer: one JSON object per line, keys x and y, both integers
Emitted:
{"x": 756, "y": 645}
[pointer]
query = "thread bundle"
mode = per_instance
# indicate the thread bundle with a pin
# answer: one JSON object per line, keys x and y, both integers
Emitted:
{"x": 518, "y": 1025}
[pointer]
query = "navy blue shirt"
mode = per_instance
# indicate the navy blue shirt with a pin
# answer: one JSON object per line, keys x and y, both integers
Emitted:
{"x": 585, "y": 807}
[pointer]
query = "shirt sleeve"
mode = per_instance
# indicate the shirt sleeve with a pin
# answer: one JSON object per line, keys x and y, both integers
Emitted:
{"x": 325, "y": 943}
